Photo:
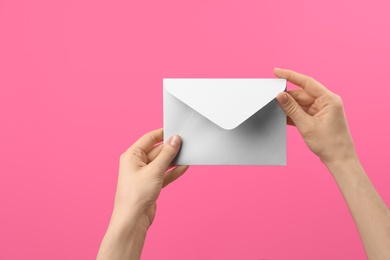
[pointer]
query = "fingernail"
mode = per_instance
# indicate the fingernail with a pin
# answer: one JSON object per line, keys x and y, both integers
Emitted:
{"x": 282, "y": 98}
{"x": 174, "y": 141}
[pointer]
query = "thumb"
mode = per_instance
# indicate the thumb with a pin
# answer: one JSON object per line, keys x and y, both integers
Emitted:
{"x": 292, "y": 109}
{"x": 167, "y": 154}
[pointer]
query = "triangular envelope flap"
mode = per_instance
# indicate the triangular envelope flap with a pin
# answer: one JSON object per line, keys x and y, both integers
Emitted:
{"x": 226, "y": 102}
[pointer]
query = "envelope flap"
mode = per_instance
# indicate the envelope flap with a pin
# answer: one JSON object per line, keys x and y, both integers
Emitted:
{"x": 226, "y": 102}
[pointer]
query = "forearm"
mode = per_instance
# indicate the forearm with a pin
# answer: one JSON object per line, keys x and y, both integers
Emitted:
{"x": 123, "y": 240}
{"x": 370, "y": 213}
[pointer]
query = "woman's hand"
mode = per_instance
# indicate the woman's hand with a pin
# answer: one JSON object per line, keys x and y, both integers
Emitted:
{"x": 144, "y": 169}
{"x": 319, "y": 116}
{"x": 143, "y": 173}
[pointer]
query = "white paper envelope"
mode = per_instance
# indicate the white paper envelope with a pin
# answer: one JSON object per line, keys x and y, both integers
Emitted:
{"x": 226, "y": 121}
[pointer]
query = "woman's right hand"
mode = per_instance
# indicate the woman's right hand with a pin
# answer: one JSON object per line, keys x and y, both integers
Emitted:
{"x": 319, "y": 116}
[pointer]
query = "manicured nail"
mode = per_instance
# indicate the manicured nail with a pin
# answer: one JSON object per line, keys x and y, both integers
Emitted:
{"x": 174, "y": 141}
{"x": 282, "y": 98}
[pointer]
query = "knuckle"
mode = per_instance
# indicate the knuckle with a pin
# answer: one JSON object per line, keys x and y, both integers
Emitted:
{"x": 124, "y": 156}
{"x": 309, "y": 81}
{"x": 320, "y": 102}
{"x": 323, "y": 101}
{"x": 336, "y": 101}
{"x": 151, "y": 137}
{"x": 133, "y": 152}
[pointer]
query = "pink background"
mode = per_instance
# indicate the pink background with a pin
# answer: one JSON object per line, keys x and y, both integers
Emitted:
{"x": 80, "y": 81}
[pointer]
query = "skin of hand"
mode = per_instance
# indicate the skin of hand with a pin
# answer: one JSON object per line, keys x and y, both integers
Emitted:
{"x": 145, "y": 168}
{"x": 319, "y": 116}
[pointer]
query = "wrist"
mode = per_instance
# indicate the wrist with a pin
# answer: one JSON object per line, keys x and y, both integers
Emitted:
{"x": 339, "y": 165}
{"x": 347, "y": 174}
{"x": 129, "y": 220}
{"x": 344, "y": 154}
{"x": 126, "y": 232}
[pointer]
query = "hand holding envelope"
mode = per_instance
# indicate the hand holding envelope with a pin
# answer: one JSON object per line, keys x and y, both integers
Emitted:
{"x": 319, "y": 116}
{"x": 226, "y": 121}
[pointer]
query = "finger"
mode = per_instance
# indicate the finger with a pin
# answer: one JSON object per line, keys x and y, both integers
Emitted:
{"x": 301, "y": 96}
{"x": 305, "y": 108}
{"x": 154, "y": 152}
{"x": 292, "y": 109}
{"x": 167, "y": 154}
{"x": 312, "y": 87}
{"x": 174, "y": 174}
{"x": 148, "y": 140}
{"x": 312, "y": 110}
